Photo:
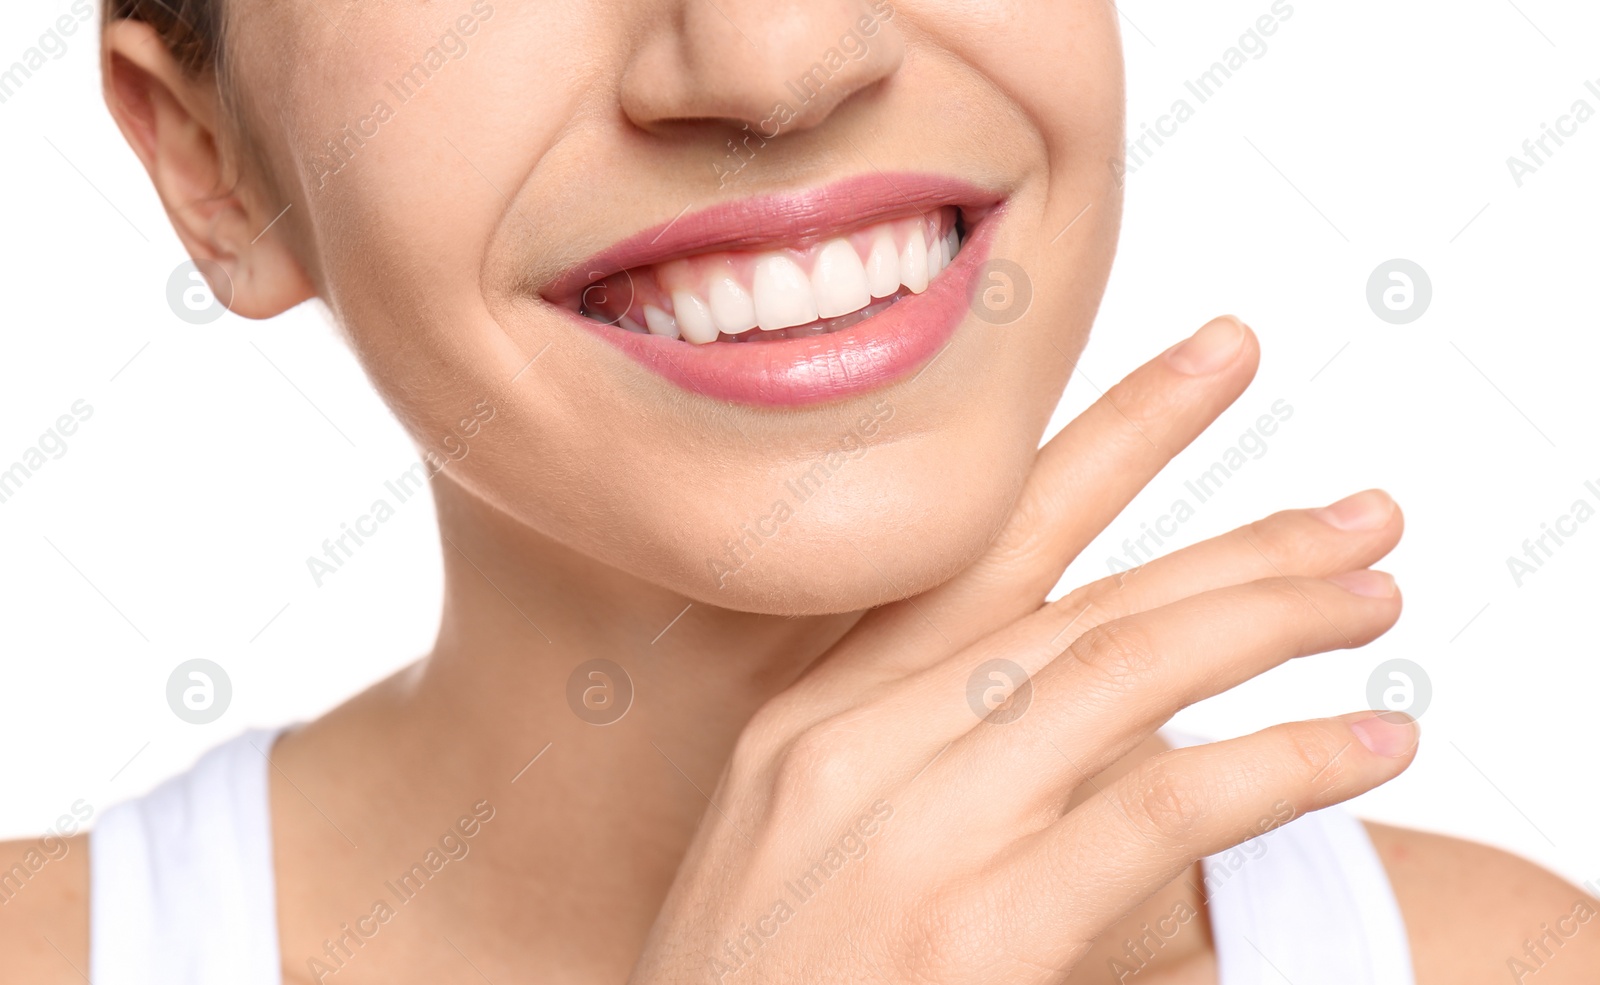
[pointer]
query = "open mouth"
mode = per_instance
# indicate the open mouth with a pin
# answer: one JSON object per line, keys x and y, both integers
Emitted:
{"x": 781, "y": 293}
{"x": 845, "y": 288}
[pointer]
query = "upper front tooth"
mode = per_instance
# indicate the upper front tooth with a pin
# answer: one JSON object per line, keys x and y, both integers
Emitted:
{"x": 659, "y": 322}
{"x": 914, "y": 262}
{"x": 694, "y": 317}
{"x": 782, "y": 294}
{"x": 883, "y": 267}
{"x": 944, "y": 252}
{"x": 953, "y": 240}
{"x": 934, "y": 265}
{"x": 839, "y": 281}
{"x": 732, "y": 309}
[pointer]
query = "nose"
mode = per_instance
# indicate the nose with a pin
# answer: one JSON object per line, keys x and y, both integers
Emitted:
{"x": 775, "y": 65}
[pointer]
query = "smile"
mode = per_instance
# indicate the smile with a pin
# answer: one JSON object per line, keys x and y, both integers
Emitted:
{"x": 730, "y": 296}
{"x": 844, "y": 288}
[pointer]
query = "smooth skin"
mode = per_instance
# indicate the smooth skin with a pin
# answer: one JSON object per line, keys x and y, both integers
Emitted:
{"x": 1040, "y": 866}
{"x": 831, "y": 674}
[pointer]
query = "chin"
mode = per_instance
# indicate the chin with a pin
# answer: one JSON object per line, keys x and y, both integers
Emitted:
{"x": 846, "y": 547}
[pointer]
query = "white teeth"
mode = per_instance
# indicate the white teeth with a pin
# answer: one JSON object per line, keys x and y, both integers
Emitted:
{"x": 693, "y": 317}
{"x": 914, "y": 262}
{"x": 782, "y": 294}
{"x": 792, "y": 292}
{"x": 659, "y": 322}
{"x": 732, "y": 309}
{"x": 839, "y": 281}
{"x": 883, "y": 267}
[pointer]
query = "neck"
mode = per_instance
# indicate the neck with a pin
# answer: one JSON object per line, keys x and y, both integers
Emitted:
{"x": 590, "y": 821}
{"x": 593, "y": 818}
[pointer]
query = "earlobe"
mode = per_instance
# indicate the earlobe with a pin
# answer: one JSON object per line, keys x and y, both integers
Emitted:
{"x": 171, "y": 119}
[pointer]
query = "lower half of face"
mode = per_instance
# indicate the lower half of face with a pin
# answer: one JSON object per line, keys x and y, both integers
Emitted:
{"x": 768, "y": 302}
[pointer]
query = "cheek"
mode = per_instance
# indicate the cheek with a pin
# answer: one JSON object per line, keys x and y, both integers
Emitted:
{"x": 1060, "y": 63}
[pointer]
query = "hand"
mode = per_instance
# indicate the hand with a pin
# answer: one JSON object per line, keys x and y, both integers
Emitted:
{"x": 872, "y": 826}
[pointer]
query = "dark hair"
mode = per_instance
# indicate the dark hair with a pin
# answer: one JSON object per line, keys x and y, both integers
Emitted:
{"x": 192, "y": 29}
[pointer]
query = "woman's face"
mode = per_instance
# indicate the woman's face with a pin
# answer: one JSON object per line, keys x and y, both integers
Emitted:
{"x": 491, "y": 195}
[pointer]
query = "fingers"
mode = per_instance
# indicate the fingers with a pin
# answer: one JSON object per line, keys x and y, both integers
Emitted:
{"x": 1118, "y": 682}
{"x": 1147, "y": 828}
{"x": 1086, "y": 474}
{"x": 1353, "y": 533}
{"x": 1080, "y": 480}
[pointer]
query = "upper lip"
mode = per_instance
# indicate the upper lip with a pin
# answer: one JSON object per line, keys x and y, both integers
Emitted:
{"x": 790, "y": 218}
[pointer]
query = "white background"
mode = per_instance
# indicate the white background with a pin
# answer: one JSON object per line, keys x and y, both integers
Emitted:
{"x": 178, "y": 522}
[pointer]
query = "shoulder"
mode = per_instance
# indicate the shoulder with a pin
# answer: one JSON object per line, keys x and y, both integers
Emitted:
{"x": 1476, "y": 915}
{"x": 44, "y": 909}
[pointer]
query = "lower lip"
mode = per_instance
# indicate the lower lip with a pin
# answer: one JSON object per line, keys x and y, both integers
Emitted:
{"x": 797, "y": 372}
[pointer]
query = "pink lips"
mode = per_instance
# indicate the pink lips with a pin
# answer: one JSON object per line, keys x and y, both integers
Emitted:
{"x": 796, "y": 372}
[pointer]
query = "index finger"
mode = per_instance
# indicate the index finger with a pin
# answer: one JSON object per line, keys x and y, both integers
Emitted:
{"x": 1081, "y": 479}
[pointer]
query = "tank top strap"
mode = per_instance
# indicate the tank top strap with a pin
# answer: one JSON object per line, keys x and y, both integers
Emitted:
{"x": 181, "y": 887}
{"x": 1307, "y": 903}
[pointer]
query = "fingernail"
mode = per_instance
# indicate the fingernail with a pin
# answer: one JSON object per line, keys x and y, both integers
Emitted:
{"x": 1209, "y": 349}
{"x": 1364, "y": 511}
{"x": 1366, "y": 583}
{"x": 1387, "y": 733}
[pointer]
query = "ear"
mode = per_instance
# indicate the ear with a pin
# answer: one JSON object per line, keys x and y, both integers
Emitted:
{"x": 171, "y": 120}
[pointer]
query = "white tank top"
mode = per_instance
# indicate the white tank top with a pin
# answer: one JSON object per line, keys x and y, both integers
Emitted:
{"x": 181, "y": 891}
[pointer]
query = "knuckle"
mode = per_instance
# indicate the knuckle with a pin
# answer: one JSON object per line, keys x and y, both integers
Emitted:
{"x": 1302, "y": 621}
{"x": 1316, "y": 755}
{"x": 1282, "y": 539}
{"x": 761, "y": 740}
{"x": 822, "y": 761}
{"x": 940, "y": 942}
{"x": 1100, "y": 602}
{"x": 1291, "y": 596}
{"x": 1119, "y": 653}
{"x": 1165, "y": 802}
